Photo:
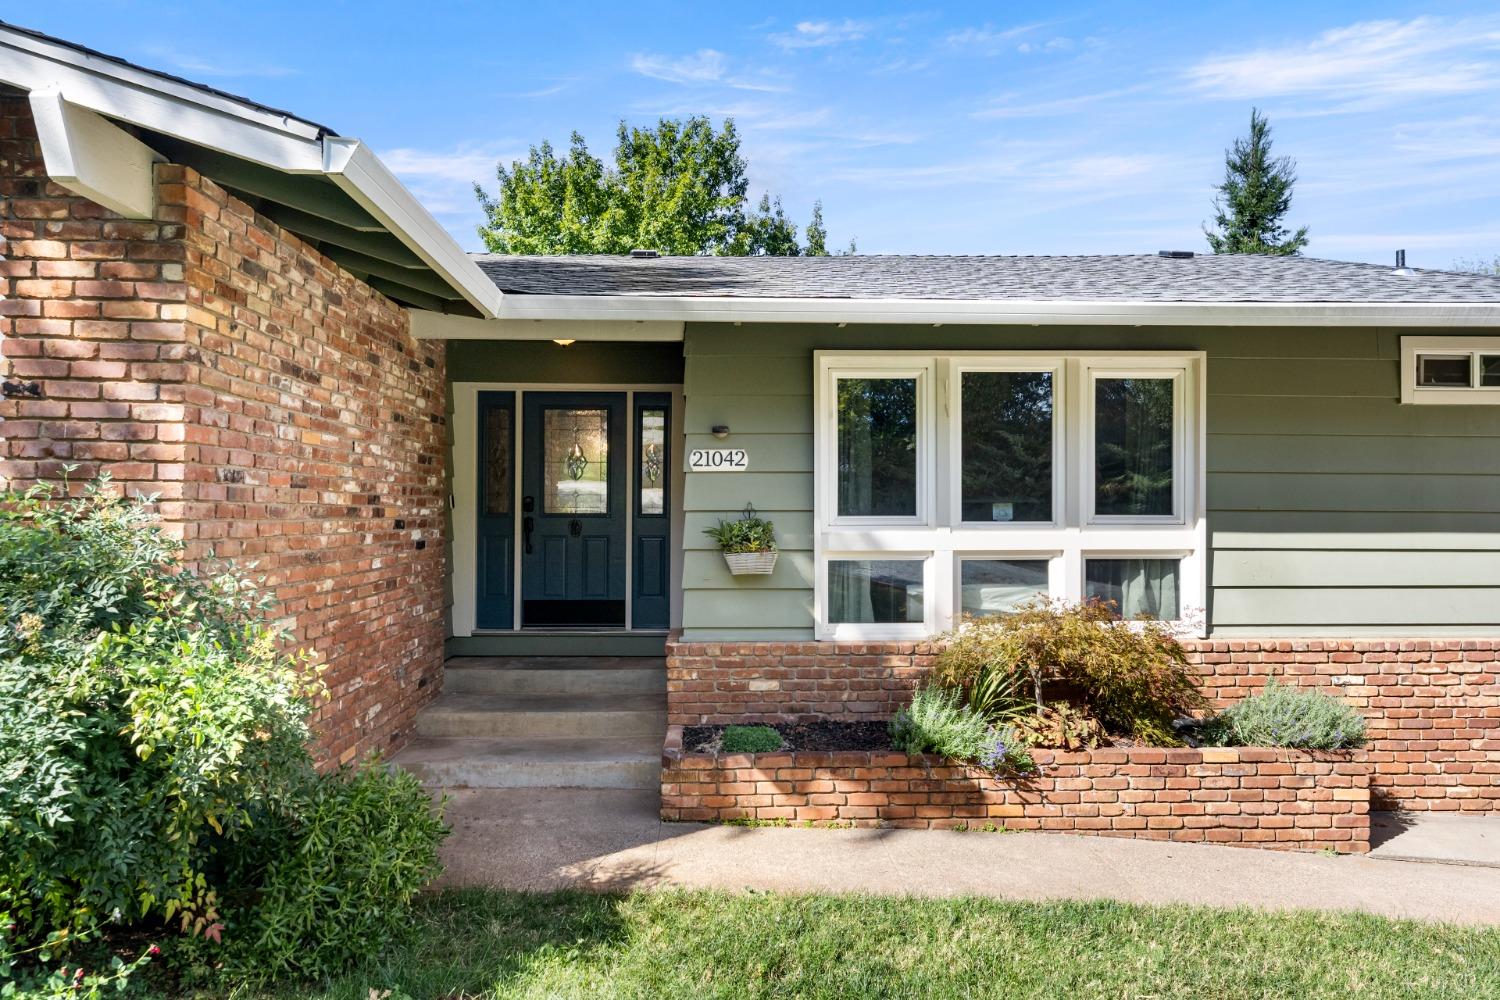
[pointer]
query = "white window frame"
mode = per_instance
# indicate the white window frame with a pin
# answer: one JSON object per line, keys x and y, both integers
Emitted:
{"x": 940, "y": 537}
{"x": 1056, "y": 575}
{"x": 1472, "y": 394}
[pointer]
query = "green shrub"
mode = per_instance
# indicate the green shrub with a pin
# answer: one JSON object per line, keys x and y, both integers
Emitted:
{"x": 324, "y": 885}
{"x": 936, "y": 721}
{"x": 747, "y": 533}
{"x": 1134, "y": 678}
{"x": 1284, "y": 716}
{"x": 153, "y": 736}
{"x": 749, "y": 739}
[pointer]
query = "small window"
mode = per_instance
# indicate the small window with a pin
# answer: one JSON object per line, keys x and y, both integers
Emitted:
{"x": 1489, "y": 371}
{"x": 653, "y": 447}
{"x": 875, "y": 591}
{"x": 1444, "y": 370}
{"x": 990, "y": 587}
{"x": 1007, "y": 446}
{"x": 877, "y": 447}
{"x": 575, "y": 476}
{"x": 1134, "y": 446}
{"x": 1138, "y": 588}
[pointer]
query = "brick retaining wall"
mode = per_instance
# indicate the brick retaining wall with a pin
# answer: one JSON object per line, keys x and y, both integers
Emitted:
{"x": 1283, "y": 799}
{"x": 277, "y": 405}
{"x": 1433, "y": 705}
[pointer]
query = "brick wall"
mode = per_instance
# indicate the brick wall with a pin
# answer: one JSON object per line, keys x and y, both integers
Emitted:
{"x": 1285, "y": 799}
{"x": 1433, "y": 705}
{"x": 277, "y": 404}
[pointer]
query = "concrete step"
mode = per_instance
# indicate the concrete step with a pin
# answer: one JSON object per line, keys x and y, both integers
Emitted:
{"x": 581, "y": 716}
{"x": 555, "y": 675}
{"x": 513, "y": 762}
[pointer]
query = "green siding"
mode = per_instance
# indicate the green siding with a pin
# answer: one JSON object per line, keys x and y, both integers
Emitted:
{"x": 1332, "y": 508}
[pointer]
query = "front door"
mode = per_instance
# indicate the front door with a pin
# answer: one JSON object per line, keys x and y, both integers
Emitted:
{"x": 573, "y": 497}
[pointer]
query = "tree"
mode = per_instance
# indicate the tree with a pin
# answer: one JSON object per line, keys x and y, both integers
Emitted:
{"x": 1255, "y": 197}
{"x": 679, "y": 188}
{"x": 1472, "y": 265}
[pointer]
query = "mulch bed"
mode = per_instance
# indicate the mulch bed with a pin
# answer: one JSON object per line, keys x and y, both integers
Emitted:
{"x": 820, "y": 735}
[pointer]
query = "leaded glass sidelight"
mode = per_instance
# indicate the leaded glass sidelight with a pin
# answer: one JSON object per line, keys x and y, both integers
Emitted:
{"x": 575, "y": 467}
{"x": 653, "y": 460}
{"x": 499, "y": 469}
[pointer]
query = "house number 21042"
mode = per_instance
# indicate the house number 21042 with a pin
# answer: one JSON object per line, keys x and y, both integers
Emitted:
{"x": 718, "y": 460}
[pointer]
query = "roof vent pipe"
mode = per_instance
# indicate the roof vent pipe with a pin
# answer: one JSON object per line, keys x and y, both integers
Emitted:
{"x": 1401, "y": 267}
{"x": 1175, "y": 254}
{"x": 645, "y": 254}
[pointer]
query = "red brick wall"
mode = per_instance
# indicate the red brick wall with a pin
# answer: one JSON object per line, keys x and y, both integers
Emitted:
{"x": 1433, "y": 705}
{"x": 1286, "y": 799}
{"x": 278, "y": 405}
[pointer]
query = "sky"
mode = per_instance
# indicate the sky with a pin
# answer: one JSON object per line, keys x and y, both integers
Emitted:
{"x": 1030, "y": 128}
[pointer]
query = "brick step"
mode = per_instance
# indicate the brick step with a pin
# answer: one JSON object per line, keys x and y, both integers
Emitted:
{"x": 580, "y": 716}
{"x": 555, "y": 675}
{"x": 617, "y": 762}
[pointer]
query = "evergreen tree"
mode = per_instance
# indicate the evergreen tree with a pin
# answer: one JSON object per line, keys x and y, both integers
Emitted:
{"x": 1255, "y": 196}
{"x": 679, "y": 187}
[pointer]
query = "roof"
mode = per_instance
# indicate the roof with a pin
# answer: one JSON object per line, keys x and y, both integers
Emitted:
{"x": 1143, "y": 278}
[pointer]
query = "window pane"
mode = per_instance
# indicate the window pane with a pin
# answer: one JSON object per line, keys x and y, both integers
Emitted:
{"x": 877, "y": 443}
{"x": 997, "y": 586}
{"x": 1443, "y": 370}
{"x": 653, "y": 461}
{"x": 1489, "y": 370}
{"x": 1007, "y": 446}
{"x": 498, "y": 468}
{"x": 1133, "y": 450}
{"x": 575, "y": 468}
{"x": 1137, "y": 587}
{"x": 875, "y": 591}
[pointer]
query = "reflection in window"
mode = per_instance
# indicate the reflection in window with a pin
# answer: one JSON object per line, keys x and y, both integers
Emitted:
{"x": 877, "y": 447}
{"x": 575, "y": 468}
{"x": 1138, "y": 588}
{"x": 653, "y": 461}
{"x": 1443, "y": 371}
{"x": 999, "y": 586}
{"x": 498, "y": 470}
{"x": 1007, "y": 446}
{"x": 876, "y": 591}
{"x": 1489, "y": 371}
{"x": 1133, "y": 448}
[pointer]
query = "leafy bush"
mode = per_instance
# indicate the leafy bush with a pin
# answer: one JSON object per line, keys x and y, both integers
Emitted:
{"x": 1134, "y": 678}
{"x": 1285, "y": 716}
{"x": 153, "y": 735}
{"x": 748, "y": 533}
{"x": 1060, "y": 725}
{"x": 749, "y": 739}
{"x": 1007, "y": 751}
{"x": 936, "y": 721}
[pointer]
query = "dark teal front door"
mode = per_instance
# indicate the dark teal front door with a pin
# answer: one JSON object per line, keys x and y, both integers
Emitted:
{"x": 573, "y": 513}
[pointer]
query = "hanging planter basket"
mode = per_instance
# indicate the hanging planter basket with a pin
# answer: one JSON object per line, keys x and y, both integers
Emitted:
{"x": 751, "y": 563}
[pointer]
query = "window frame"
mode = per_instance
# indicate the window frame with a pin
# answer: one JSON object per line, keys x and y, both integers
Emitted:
{"x": 1473, "y": 394}
{"x": 940, "y": 537}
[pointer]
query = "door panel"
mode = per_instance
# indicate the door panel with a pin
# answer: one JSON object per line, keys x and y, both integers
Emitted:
{"x": 572, "y": 481}
{"x": 651, "y": 481}
{"x": 495, "y": 594}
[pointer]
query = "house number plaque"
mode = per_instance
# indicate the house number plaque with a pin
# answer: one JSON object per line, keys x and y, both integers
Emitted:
{"x": 718, "y": 460}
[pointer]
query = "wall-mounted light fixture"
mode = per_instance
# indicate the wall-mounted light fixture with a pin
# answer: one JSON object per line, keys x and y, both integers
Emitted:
{"x": 720, "y": 431}
{"x": 564, "y": 341}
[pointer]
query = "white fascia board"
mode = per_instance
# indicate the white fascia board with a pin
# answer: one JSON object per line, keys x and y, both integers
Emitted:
{"x": 428, "y": 325}
{"x": 1013, "y": 312}
{"x": 93, "y": 157}
{"x": 160, "y": 104}
{"x": 351, "y": 165}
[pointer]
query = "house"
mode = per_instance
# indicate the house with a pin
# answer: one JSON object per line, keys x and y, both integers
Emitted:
{"x": 430, "y": 454}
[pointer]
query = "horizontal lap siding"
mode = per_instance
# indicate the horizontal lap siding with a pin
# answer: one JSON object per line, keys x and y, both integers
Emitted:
{"x": 1332, "y": 508}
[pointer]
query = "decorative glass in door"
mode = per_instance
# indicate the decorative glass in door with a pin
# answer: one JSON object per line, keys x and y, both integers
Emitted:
{"x": 575, "y": 463}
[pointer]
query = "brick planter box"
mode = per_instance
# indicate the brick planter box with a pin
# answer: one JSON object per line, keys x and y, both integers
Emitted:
{"x": 1282, "y": 799}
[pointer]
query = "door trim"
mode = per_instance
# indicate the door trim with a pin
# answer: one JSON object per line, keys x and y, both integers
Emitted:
{"x": 463, "y": 496}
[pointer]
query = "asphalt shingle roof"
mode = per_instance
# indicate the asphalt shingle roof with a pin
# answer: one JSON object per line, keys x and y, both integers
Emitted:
{"x": 1129, "y": 278}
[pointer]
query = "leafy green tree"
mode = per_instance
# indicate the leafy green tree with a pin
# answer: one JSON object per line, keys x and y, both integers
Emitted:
{"x": 1255, "y": 197}
{"x": 679, "y": 187}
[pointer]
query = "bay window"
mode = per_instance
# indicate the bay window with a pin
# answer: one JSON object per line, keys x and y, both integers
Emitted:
{"x": 968, "y": 483}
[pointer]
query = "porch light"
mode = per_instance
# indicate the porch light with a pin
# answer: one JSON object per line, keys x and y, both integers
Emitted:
{"x": 564, "y": 341}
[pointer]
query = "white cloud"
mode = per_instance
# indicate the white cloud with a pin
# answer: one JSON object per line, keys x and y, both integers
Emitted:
{"x": 990, "y": 40}
{"x": 1008, "y": 105}
{"x": 202, "y": 65}
{"x": 821, "y": 34}
{"x": 704, "y": 67}
{"x": 1370, "y": 62}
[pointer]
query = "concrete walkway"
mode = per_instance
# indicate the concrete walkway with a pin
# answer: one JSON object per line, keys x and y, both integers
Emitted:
{"x": 1439, "y": 838}
{"x": 612, "y": 839}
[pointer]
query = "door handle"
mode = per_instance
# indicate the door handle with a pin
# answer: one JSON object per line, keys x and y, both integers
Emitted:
{"x": 527, "y": 523}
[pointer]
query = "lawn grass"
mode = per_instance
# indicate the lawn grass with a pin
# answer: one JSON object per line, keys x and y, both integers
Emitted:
{"x": 479, "y": 944}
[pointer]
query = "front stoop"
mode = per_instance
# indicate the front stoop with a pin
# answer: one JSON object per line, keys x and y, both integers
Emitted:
{"x": 543, "y": 722}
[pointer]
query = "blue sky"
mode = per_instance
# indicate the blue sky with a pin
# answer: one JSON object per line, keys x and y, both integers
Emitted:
{"x": 963, "y": 128}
